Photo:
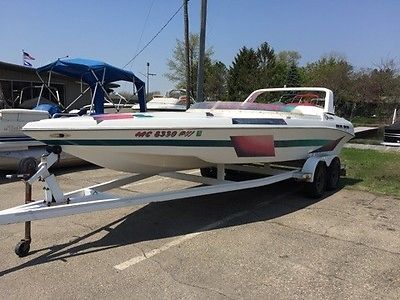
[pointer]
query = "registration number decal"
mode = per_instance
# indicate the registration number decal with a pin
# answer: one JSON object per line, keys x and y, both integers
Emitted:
{"x": 166, "y": 133}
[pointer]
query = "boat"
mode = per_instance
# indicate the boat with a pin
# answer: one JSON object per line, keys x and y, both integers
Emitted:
{"x": 264, "y": 128}
{"x": 174, "y": 100}
{"x": 22, "y": 153}
{"x": 115, "y": 104}
{"x": 18, "y": 151}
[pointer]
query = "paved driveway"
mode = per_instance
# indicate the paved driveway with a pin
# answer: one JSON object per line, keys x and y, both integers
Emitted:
{"x": 268, "y": 242}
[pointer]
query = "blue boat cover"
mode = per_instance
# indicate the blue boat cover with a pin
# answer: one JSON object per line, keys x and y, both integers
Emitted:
{"x": 52, "y": 109}
{"x": 92, "y": 72}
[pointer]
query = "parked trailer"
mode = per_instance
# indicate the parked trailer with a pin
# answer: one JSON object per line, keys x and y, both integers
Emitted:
{"x": 320, "y": 172}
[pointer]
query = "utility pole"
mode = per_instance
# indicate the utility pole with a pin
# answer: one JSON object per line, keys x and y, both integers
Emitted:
{"x": 200, "y": 74}
{"x": 147, "y": 77}
{"x": 186, "y": 25}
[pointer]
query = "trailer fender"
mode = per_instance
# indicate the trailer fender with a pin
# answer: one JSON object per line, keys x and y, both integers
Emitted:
{"x": 311, "y": 164}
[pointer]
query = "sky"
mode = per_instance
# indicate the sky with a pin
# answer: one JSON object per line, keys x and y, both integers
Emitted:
{"x": 366, "y": 32}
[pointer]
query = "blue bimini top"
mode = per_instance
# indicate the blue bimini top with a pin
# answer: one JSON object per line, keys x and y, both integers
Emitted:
{"x": 94, "y": 72}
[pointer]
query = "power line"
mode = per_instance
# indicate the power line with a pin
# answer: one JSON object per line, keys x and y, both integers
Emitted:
{"x": 144, "y": 25}
{"x": 162, "y": 28}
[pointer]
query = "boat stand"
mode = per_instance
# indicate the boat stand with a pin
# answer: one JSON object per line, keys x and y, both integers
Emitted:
{"x": 93, "y": 198}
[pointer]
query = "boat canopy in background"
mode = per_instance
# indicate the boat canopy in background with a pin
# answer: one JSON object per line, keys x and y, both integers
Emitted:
{"x": 95, "y": 73}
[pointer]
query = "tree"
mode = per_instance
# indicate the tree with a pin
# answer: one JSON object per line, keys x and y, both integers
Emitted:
{"x": 289, "y": 57}
{"x": 262, "y": 68}
{"x": 377, "y": 90}
{"x": 243, "y": 74}
{"x": 266, "y": 65}
{"x": 215, "y": 86}
{"x": 177, "y": 64}
{"x": 333, "y": 72}
{"x": 252, "y": 69}
{"x": 287, "y": 71}
{"x": 293, "y": 76}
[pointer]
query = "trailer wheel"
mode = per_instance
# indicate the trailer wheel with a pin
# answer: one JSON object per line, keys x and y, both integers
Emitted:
{"x": 22, "y": 248}
{"x": 208, "y": 172}
{"x": 333, "y": 175}
{"x": 27, "y": 165}
{"x": 316, "y": 188}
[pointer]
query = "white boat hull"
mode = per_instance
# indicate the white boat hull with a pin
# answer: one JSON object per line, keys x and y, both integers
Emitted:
{"x": 207, "y": 134}
{"x": 144, "y": 150}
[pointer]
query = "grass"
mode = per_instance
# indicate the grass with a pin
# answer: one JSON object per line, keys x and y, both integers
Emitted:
{"x": 366, "y": 141}
{"x": 372, "y": 171}
{"x": 364, "y": 121}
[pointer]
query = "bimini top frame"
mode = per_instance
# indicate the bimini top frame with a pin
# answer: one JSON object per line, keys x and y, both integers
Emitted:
{"x": 96, "y": 75}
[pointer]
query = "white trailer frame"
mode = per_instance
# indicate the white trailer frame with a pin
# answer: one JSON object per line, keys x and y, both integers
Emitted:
{"x": 93, "y": 198}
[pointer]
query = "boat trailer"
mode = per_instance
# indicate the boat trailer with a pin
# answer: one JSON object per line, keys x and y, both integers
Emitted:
{"x": 319, "y": 171}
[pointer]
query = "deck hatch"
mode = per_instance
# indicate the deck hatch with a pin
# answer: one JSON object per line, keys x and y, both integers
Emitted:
{"x": 258, "y": 121}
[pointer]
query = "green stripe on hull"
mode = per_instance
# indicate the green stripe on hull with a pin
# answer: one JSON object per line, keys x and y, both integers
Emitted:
{"x": 300, "y": 143}
{"x": 180, "y": 143}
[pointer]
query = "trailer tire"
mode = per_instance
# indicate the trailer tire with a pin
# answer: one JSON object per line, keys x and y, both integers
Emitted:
{"x": 27, "y": 166}
{"x": 317, "y": 188}
{"x": 333, "y": 175}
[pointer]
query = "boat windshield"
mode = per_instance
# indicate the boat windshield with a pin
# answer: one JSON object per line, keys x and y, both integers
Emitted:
{"x": 271, "y": 101}
{"x": 242, "y": 106}
{"x": 314, "y": 98}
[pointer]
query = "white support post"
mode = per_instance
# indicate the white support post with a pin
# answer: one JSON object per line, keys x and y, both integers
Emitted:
{"x": 94, "y": 95}
{"x": 220, "y": 171}
{"x": 53, "y": 191}
{"x": 101, "y": 84}
{"x": 77, "y": 98}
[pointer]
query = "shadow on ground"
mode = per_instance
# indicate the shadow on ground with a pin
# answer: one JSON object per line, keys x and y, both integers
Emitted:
{"x": 55, "y": 171}
{"x": 174, "y": 218}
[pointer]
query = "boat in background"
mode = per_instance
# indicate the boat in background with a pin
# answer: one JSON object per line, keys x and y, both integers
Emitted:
{"x": 22, "y": 153}
{"x": 18, "y": 151}
{"x": 174, "y": 100}
{"x": 208, "y": 134}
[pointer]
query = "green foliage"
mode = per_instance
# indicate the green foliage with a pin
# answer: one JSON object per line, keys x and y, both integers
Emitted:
{"x": 289, "y": 57}
{"x": 262, "y": 68}
{"x": 293, "y": 76}
{"x": 373, "y": 171}
{"x": 243, "y": 75}
{"x": 335, "y": 73}
{"x": 376, "y": 91}
{"x": 367, "y": 92}
{"x": 215, "y": 85}
{"x": 214, "y": 72}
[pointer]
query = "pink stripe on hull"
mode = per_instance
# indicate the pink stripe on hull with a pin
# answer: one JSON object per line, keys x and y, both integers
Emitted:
{"x": 254, "y": 146}
{"x": 113, "y": 116}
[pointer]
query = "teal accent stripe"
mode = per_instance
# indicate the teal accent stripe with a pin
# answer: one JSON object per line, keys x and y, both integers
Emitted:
{"x": 180, "y": 143}
{"x": 300, "y": 143}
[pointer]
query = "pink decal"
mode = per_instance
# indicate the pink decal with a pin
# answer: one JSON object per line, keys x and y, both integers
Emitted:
{"x": 254, "y": 146}
{"x": 113, "y": 116}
